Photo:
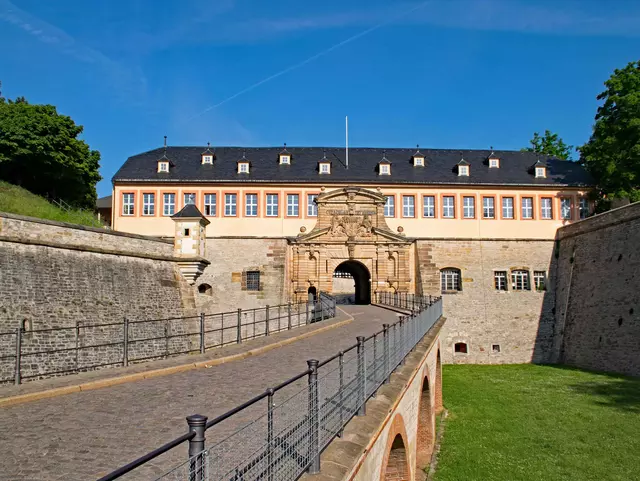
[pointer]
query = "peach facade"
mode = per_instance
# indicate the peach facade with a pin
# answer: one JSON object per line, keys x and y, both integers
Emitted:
{"x": 262, "y": 221}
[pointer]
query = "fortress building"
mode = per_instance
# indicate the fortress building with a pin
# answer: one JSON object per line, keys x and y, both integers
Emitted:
{"x": 478, "y": 226}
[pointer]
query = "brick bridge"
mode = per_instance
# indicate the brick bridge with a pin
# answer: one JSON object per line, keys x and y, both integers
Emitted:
{"x": 84, "y": 435}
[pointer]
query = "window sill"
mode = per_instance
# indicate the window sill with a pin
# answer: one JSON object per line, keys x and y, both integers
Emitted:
{"x": 450, "y": 292}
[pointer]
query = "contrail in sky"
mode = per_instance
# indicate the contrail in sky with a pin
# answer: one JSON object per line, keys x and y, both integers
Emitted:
{"x": 306, "y": 61}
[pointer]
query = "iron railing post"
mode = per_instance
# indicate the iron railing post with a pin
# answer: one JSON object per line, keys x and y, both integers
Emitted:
{"x": 375, "y": 359}
{"x": 321, "y": 308}
{"x": 125, "y": 342}
{"x": 18, "y": 376}
{"x": 196, "y": 424}
{"x": 387, "y": 372}
{"x": 314, "y": 418}
{"x": 266, "y": 329}
{"x": 289, "y": 315}
{"x": 307, "y": 311}
{"x": 202, "y": 344}
{"x": 341, "y": 391}
{"x": 270, "y": 434}
{"x": 402, "y": 344}
{"x": 362, "y": 410}
{"x": 395, "y": 344}
{"x": 239, "y": 327}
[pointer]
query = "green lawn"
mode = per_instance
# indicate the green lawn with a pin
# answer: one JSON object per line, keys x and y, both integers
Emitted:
{"x": 527, "y": 422}
{"x": 16, "y": 200}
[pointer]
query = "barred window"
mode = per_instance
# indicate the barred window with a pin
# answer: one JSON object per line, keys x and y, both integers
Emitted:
{"x": 540, "y": 280}
{"x": 520, "y": 280}
{"x": 390, "y": 206}
{"x": 500, "y": 280}
{"x": 429, "y": 206}
{"x": 451, "y": 280}
{"x": 253, "y": 280}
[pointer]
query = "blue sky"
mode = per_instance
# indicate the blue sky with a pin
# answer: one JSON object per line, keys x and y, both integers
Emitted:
{"x": 447, "y": 74}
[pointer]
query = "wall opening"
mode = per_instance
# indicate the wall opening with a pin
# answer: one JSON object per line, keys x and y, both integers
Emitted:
{"x": 425, "y": 438}
{"x": 460, "y": 348}
{"x": 312, "y": 294}
{"x": 205, "y": 289}
{"x": 495, "y": 348}
{"x": 361, "y": 278}
{"x": 397, "y": 468}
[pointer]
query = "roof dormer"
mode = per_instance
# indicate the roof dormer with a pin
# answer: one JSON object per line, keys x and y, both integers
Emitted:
{"x": 493, "y": 160}
{"x": 384, "y": 166}
{"x": 324, "y": 164}
{"x": 244, "y": 166}
{"x": 208, "y": 156}
{"x": 463, "y": 168}
{"x": 539, "y": 169}
{"x": 284, "y": 157}
{"x": 418, "y": 158}
{"x": 164, "y": 164}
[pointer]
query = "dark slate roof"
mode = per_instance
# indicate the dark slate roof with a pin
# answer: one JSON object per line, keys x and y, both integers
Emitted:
{"x": 188, "y": 211}
{"x": 104, "y": 202}
{"x": 440, "y": 167}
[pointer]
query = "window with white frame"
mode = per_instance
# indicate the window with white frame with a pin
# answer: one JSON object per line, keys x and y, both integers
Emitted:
{"x": 168, "y": 204}
{"x": 448, "y": 207}
{"x": 584, "y": 207}
{"x": 469, "y": 207}
{"x": 527, "y": 207}
{"x": 507, "y": 207}
{"x": 390, "y": 206}
{"x": 148, "y": 204}
{"x": 500, "y": 280}
{"x": 451, "y": 280}
{"x": 463, "y": 170}
{"x": 272, "y": 205}
{"x": 385, "y": 169}
{"x": 408, "y": 206}
{"x": 163, "y": 166}
{"x": 312, "y": 207}
{"x": 541, "y": 172}
{"x": 494, "y": 163}
{"x": 230, "y": 205}
{"x": 293, "y": 205}
{"x": 429, "y": 205}
{"x": 251, "y": 205}
{"x": 210, "y": 204}
{"x": 540, "y": 280}
{"x": 418, "y": 161}
{"x": 488, "y": 207}
{"x": 520, "y": 280}
{"x": 285, "y": 159}
{"x": 189, "y": 199}
{"x": 207, "y": 159}
{"x": 243, "y": 167}
{"x": 545, "y": 208}
{"x": 128, "y": 202}
{"x": 565, "y": 208}
{"x": 325, "y": 168}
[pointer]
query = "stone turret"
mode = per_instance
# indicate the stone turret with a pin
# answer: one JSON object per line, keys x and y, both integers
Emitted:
{"x": 190, "y": 241}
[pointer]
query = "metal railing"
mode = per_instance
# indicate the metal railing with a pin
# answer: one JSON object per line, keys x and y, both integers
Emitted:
{"x": 296, "y": 420}
{"x": 403, "y": 300}
{"x": 39, "y": 353}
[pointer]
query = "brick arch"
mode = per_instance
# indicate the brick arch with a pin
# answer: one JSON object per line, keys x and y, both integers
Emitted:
{"x": 395, "y": 465}
{"x": 437, "y": 405}
{"x": 425, "y": 432}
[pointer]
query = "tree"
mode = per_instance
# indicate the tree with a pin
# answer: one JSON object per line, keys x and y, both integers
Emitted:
{"x": 40, "y": 150}
{"x": 612, "y": 154}
{"x": 549, "y": 144}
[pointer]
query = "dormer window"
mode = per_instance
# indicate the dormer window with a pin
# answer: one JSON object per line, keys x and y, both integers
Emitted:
{"x": 541, "y": 172}
{"x": 463, "y": 170}
{"x": 207, "y": 159}
{"x": 285, "y": 159}
{"x": 418, "y": 158}
{"x": 325, "y": 167}
{"x": 494, "y": 163}
{"x": 163, "y": 166}
{"x": 243, "y": 167}
{"x": 385, "y": 169}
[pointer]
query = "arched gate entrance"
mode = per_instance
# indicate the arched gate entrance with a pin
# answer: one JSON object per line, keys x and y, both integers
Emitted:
{"x": 361, "y": 278}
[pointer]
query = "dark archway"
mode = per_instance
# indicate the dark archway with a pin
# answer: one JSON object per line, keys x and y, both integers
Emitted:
{"x": 312, "y": 294}
{"x": 362, "y": 279}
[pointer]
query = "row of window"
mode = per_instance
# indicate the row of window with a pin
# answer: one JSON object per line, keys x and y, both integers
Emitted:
{"x": 451, "y": 280}
{"x": 230, "y": 207}
{"x": 488, "y": 207}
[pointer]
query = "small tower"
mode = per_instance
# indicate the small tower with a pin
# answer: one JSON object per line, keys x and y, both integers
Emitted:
{"x": 190, "y": 241}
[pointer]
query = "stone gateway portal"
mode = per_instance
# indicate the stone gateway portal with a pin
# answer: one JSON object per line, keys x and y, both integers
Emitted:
{"x": 351, "y": 235}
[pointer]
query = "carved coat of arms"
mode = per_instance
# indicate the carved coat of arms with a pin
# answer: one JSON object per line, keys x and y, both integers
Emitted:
{"x": 351, "y": 225}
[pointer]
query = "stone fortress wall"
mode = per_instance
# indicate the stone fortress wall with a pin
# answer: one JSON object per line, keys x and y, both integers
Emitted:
{"x": 597, "y": 300}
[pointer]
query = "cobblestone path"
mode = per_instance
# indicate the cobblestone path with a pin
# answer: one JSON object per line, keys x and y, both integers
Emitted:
{"x": 84, "y": 435}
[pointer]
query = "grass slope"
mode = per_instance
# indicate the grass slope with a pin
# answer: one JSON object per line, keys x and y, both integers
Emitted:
{"x": 16, "y": 200}
{"x": 530, "y": 423}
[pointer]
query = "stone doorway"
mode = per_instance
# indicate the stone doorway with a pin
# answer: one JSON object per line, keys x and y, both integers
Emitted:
{"x": 361, "y": 280}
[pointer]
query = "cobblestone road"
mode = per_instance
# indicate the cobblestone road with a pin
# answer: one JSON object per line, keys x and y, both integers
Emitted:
{"x": 84, "y": 435}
